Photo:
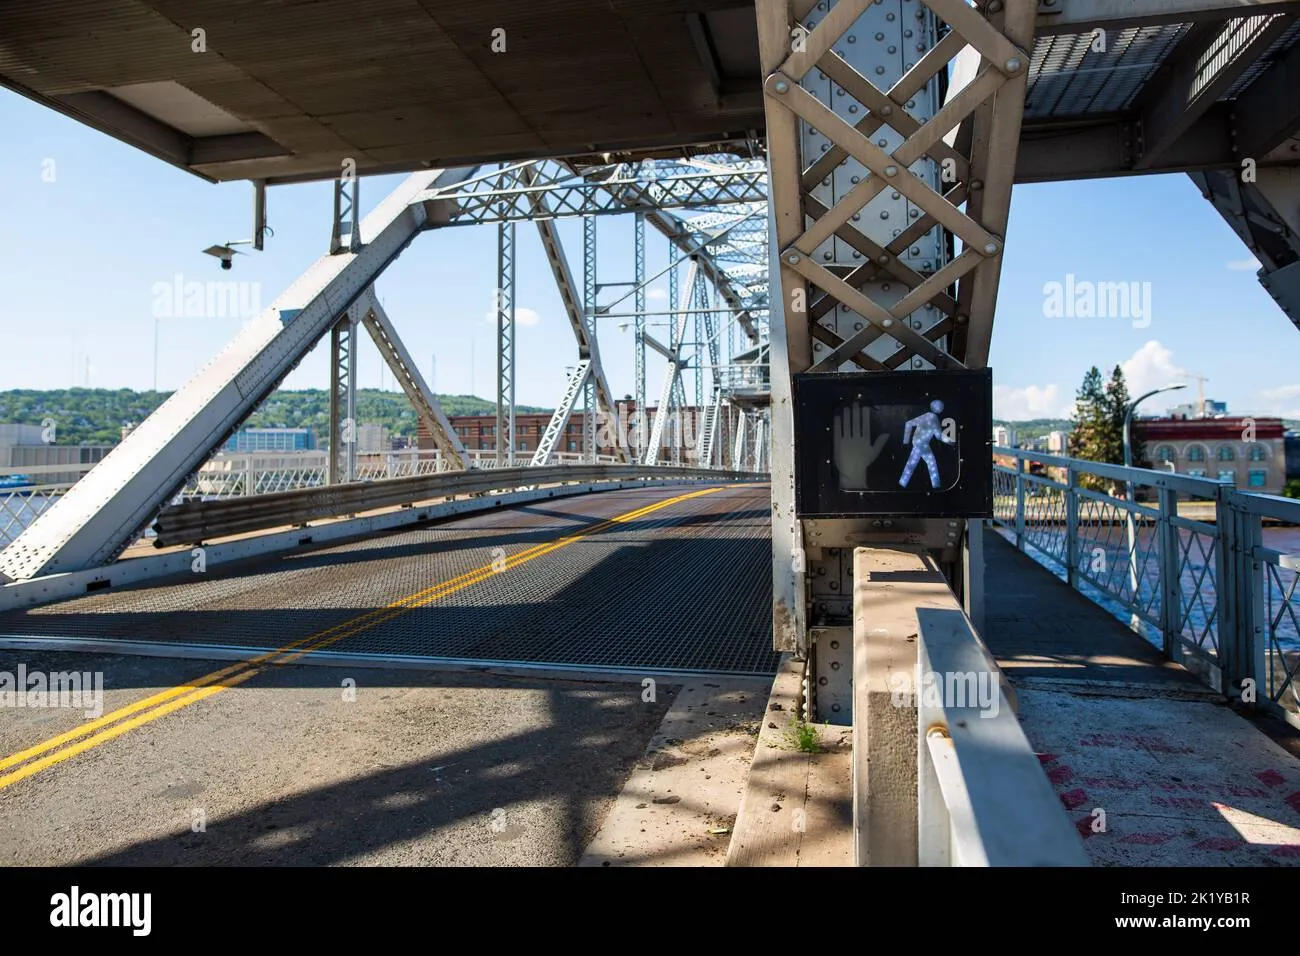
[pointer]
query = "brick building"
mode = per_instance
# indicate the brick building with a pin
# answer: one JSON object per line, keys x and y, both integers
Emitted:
{"x": 1248, "y": 452}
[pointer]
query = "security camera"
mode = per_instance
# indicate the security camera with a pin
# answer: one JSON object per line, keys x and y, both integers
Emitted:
{"x": 225, "y": 253}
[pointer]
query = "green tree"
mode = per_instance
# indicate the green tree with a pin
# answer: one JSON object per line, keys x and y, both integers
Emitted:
{"x": 1117, "y": 402}
{"x": 1098, "y": 421}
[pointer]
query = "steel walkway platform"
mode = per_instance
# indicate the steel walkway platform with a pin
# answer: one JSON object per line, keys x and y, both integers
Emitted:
{"x": 663, "y": 580}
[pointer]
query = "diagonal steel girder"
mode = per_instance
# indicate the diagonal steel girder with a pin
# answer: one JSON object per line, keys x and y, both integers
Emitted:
{"x": 103, "y": 512}
{"x": 407, "y": 373}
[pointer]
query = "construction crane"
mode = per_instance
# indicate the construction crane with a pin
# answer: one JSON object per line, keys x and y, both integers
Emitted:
{"x": 1200, "y": 392}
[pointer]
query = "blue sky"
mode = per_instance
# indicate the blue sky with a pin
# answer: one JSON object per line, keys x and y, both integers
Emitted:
{"x": 84, "y": 255}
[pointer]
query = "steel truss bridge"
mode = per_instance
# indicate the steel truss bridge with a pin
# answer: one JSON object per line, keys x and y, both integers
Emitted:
{"x": 833, "y": 180}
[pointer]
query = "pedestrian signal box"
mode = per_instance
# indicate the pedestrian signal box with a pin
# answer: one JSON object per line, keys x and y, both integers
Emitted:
{"x": 894, "y": 443}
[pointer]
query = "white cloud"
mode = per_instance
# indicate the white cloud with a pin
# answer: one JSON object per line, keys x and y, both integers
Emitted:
{"x": 523, "y": 316}
{"x": 1020, "y": 404}
{"x": 657, "y": 295}
{"x": 1243, "y": 265}
{"x": 1151, "y": 366}
{"x": 1284, "y": 402}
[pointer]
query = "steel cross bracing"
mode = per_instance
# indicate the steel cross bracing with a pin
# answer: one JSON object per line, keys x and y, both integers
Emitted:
{"x": 655, "y": 185}
{"x": 889, "y": 204}
{"x": 639, "y": 345}
{"x": 589, "y": 321}
{"x": 573, "y": 387}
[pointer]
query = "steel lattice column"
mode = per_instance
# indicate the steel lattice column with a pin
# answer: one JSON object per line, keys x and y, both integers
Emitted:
{"x": 873, "y": 145}
{"x": 639, "y": 300}
{"x": 505, "y": 298}
{"x": 343, "y": 402}
{"x": 345, "y": 236}
{"x": 589, "y": 317}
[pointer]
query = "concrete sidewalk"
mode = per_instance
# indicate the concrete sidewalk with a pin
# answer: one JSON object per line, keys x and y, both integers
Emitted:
{"x": 1154, "y": 768}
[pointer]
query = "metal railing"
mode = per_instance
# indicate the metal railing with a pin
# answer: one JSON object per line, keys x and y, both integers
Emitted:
{"x": 1183, "y": 560}
{"x": 197, "y": 521}
{"x": 250, "y": 474}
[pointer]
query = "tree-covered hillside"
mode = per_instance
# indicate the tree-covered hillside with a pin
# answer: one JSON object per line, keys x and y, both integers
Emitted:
{"x": 95, "y": 416}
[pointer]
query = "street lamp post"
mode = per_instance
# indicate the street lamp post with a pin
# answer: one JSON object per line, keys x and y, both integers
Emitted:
{"x": 1130, "y": 524}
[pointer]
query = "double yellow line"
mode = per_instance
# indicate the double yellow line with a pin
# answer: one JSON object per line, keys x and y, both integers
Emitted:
{"x": 125, "y": 719}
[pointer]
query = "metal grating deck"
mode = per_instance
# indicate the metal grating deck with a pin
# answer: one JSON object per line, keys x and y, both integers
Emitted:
{"x": 1067, "y": 78}
{"x": 685, "y": 588}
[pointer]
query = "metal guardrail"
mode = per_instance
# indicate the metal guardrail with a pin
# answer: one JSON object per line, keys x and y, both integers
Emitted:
{"x": 196, "y": 521}
{"x": 245, "y": 474}
{"x": 1211, "y": 595}
{"x": 982, "y": 796}
{"x": 930, "y": 704}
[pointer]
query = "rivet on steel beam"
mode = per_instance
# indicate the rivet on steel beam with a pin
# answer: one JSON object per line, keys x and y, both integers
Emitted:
{"x": 857, "y": 326}
{"x": 792, "y": 258}
{"x": 882, "y": 259}
{"x": 887, "y": 323}
{"x": 1013, "y": 65}
{"x": 963, "y": 319}
{"x": 891, "y": 170}
{"x": 886, "y": 111}
{"x": 977, "y": 184}
{"x": 991, "y": 248}
{"x": 781, "y": 86}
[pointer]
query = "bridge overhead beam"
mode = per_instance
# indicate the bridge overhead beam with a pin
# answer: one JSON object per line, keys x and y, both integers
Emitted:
{"x": 1267, "y": 114}
{"x": 1080, "y": 16}
{"x": 1208, "y": 61}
